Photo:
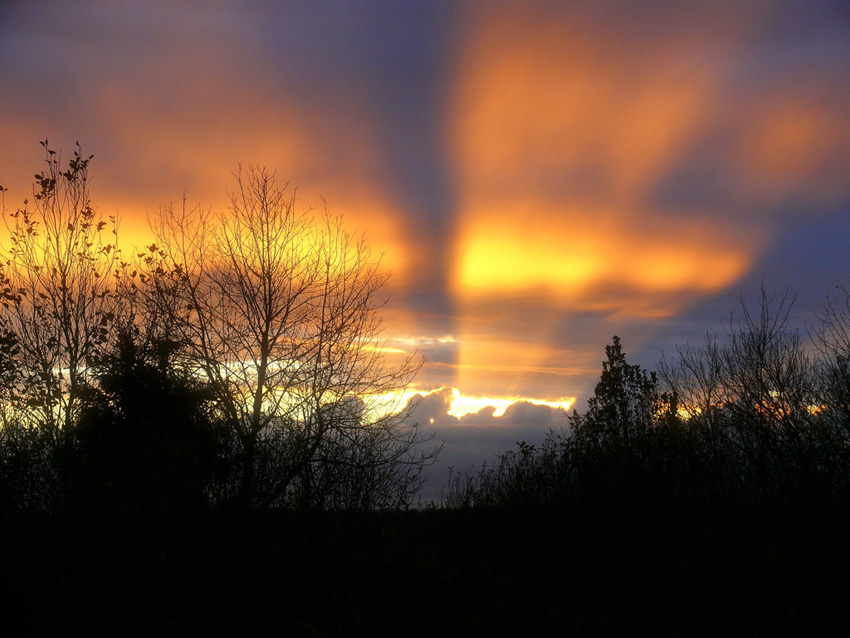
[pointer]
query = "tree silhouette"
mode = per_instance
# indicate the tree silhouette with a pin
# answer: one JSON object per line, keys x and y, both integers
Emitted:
{"x": 753, "y": 401}
{"x": 56, "y": 276}
{"x": 278, "y": 311}
{"x": 147, "y": 442}
{"x": 272, "y": 312}
{"x": 623, "y": 406}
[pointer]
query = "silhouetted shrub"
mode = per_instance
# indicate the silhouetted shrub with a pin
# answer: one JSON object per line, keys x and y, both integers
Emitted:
{"x": 753, "y": 421}
{"x": 147, "y": 441}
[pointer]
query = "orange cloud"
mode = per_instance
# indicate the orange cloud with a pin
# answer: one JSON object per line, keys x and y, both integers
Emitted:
{"x": 560, "y": 132}
{"x": 569, "y": 254}
{"x": 795, "y": 142}
{"x": 169, "y": 158}
{"x": 558, "y": 139}
{"x": 190, "y": 99}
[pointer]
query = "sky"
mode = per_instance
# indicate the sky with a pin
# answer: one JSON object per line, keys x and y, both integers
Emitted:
{"x": 539, "y": 176}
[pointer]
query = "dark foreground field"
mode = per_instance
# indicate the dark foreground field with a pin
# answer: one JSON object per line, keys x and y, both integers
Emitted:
{"x": 438, "y": 573}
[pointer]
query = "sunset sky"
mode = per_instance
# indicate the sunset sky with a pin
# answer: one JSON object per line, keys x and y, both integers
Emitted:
{"x": 539, "y": 175}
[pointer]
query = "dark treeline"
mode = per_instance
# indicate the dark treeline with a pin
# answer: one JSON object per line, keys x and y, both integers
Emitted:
{"x": 197, "y": 439}
{"x": 234, "y": 363}
{"x": 709, "y": 498}
{"x": 760, "y": 417}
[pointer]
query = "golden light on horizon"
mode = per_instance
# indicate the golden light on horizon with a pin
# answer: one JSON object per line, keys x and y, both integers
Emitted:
{"x": 462, "y": 405}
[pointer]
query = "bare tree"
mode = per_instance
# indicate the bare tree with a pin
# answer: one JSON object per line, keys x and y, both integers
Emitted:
{"x": 831, "y": 336}
{"x": 277, "y": 309}
{"x": 753, "y": 395}
{"x": 57, "y": 282}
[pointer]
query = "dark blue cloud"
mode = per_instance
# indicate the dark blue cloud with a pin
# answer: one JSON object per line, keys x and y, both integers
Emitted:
{"x": 478, "y": 437}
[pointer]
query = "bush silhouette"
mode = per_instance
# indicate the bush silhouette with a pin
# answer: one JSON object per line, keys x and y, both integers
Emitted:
{"x": 146, "y": 440}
